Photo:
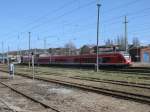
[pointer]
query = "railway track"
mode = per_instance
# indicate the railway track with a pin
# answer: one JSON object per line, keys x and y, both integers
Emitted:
{"x": 123, "y": 83}
{"x": 116, "y": 82}
{"x": 114, "y": 93}
{"x": 130, "y": 70}
{"x": 47, "y": 106}
{"x": 126, "y": 70}
{"x": 7, "y": 107}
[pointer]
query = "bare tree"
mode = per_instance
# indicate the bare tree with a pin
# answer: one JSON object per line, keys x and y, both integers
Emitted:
{"x": 135, "y": 42}
{"x": 85, "y": 49}
{"x": 109, "y": 42}
{"x": 70, "y": 48}
{"x": 120, "y": 41}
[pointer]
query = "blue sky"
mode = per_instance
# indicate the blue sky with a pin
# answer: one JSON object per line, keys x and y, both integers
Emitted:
{"x": 61, "y": 21}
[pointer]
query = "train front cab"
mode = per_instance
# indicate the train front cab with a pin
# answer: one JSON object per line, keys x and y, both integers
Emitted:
{"x": 114, "y": 60}
{"x": 127, "y": 58}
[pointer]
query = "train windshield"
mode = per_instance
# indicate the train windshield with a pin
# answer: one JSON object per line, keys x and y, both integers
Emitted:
{"x": 127, "y": 56}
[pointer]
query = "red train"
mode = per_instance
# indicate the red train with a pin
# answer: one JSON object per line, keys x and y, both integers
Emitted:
{"x": 105, "y": 59}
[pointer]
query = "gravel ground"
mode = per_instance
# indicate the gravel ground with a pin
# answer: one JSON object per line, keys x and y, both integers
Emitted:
{"x": 4, "y": 108}
{"x": 10, "y": 100}
{"x": 137, "y": 90}
{"x": 141, "y": 64}
{"x": 103, "y": 85}
{"x": 74, "y": 100}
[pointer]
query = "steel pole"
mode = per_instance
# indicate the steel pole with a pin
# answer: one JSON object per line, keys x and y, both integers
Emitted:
{"x": 29, "y": 49}
{"x": 126, "y": 36}
{"x": 45, "y": 43}
{"x": 33, "y": 70}
{"x": 3, "y": 52}
{"x": 97, "y": 60}
{"x": 8, "y": 56}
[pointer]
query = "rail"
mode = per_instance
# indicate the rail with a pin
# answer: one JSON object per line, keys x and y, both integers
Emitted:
{"x": 8, "y": 107}
{"x": 29, "y": 97}
{"x": 114, "y": 93}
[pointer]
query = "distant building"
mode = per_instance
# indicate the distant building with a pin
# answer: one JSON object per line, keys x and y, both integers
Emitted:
{"x": 62, "y": 51}
{"x": 135, "y": 54}
{"x": 26, "y": 52}
{"x": 87, "y": 49}
{"x": 145, "y": 55}
{"x": 3, "y": 58}
{"x": 140, "y": 54}
{"x": 112, "y": 48}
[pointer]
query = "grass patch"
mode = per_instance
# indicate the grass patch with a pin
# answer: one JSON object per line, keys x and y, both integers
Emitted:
{"x": 86, "y": 73}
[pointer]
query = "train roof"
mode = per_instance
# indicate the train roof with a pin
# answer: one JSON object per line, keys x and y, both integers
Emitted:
{"x": 84, "y": 55}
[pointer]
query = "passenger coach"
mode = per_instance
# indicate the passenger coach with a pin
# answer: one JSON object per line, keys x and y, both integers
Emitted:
{"x": 105, "y": 59}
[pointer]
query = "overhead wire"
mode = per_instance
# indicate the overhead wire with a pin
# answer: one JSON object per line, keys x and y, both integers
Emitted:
{"x": 43, "y": 16}
{"x": 56, "y": 18}
{"x": 129, "y": 3}
{"x": 62, "y": 15}
{"x": 69, "y": 12}
{"x": 122, "y": 6}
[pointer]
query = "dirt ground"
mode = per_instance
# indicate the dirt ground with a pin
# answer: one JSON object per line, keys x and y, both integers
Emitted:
{"x": 11, "y": 101}
{"x": 73, "y": 100}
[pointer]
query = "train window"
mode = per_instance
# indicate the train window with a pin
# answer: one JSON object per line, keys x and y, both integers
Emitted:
{"x": 100, "y": 60}
{"x": 91, "y": 60}
{"x": 126, "y": 55}
{"x": 106, "y": 59}
{"x": 86, "y": 60}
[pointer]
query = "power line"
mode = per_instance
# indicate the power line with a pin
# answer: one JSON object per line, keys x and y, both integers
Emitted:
{"x": 38, "y": 19}
{"x": 58, "y": 17}
{"x": 56, "y": 10}
{"x": 64, "y": 5}
{"x": 128, "y": 14}
{"x": 109, "y": 24}
{"x": 122, "y": 6}
{"x": 64, "y": 14}
{"x": 129, "y": 3}
{"x": 131, "y": 18}
{"x": 141, "y": 30}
